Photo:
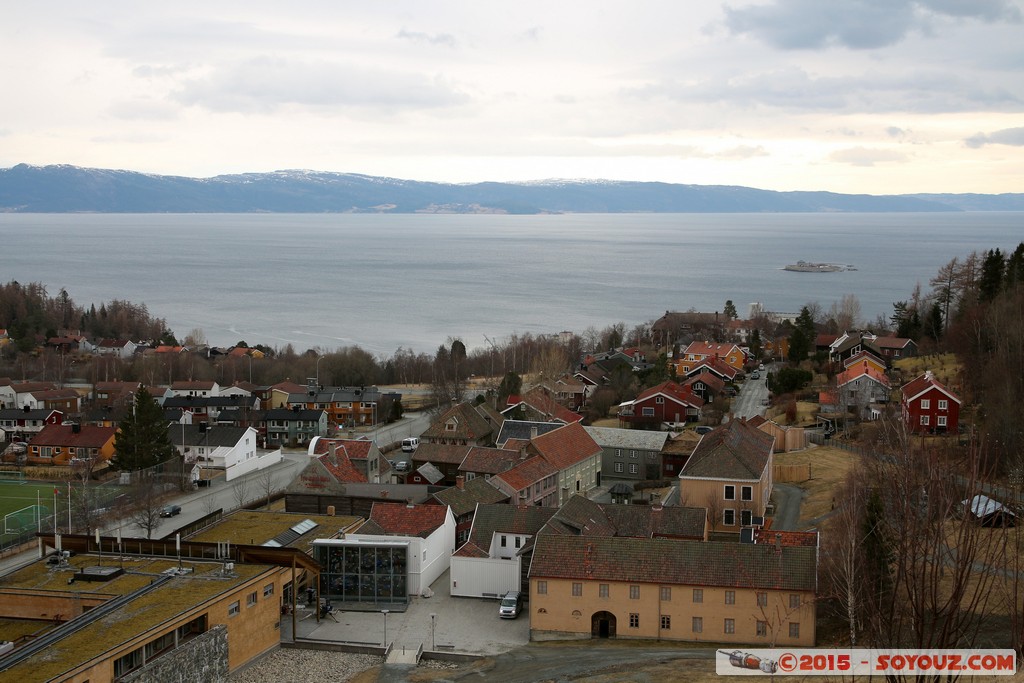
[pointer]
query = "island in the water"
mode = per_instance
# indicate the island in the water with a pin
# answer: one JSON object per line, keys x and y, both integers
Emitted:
{"x": 807, "y": 267}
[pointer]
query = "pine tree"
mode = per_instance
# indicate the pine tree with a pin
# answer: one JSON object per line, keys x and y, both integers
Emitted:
{"x": 142, "y": 439}
{"x": 993, "y": 269}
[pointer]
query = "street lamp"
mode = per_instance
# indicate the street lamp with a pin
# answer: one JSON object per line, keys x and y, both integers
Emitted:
{"x": 433, "y": 616}
{"x": 385, "y": 613}
{"x": 319, "y": 358}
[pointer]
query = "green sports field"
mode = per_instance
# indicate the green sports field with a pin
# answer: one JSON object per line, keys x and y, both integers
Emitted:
{"x": 17, "y": 496}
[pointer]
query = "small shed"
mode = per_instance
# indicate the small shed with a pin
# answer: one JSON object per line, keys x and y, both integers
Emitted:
{"x": 990, "y": 513}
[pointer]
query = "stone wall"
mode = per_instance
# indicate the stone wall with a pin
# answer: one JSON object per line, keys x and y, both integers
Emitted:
{"x": 203, "y": 658}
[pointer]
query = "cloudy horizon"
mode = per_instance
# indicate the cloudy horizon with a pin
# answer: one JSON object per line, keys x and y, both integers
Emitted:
{"x": 863, "y": 96}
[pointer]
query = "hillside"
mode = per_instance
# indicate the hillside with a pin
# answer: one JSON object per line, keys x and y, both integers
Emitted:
{"x": 62, "y": 188}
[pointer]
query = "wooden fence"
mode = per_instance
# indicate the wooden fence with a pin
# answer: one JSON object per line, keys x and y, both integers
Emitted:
{"x": 782, "y": 474}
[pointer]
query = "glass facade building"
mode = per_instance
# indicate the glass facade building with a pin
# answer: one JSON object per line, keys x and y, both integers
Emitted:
{"x": 361, "y": 571}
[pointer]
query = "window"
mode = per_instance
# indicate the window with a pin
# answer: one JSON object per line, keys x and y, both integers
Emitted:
{"x": 794, "y": 601}
{"x": 762, "y": 599}
{"x": 519, "y": 541}
{"x": 746, "y": 493}
{"x": 666, "y": 594}
{"x": 746, "y": 517}
{"x": 634, "y": 620}
{"x": 925, "y": 404}
{"x": 633, "y": 454}
{"x": 698, "y": 625}
{"x": 730, "y": 597}
{"x": 698, "y": 595}
{"x": 542, "y": 588}
{"x": 619, "y": 467}
{"x": 730, "y": 626}
{"x": 666, "y": 622}
{"x": 618, "y": 452}
{"x": 577, "y": 589}
{"x": 602, "y": 590}
{"x": 730, "y": 492}
{"x": 250, "y": 600}
{"x": 729, "y": 518}
{"x": 234, "y": 608}
{"x": 504, "y": 541}
{"x": 924, "y": 419}
{"x": 943, "y": 404}
{"x": 940, "y": 421}
{"x": 634, "y": 468}
{"x": 762, "y": 628}
{"x": 648, "y": 412}
{"x": 660, "y": 400}
{"x": 634, "y": 592}
{"x": 794, "y": 629}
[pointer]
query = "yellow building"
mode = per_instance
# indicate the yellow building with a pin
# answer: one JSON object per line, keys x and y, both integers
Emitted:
{"x": 151, "y": 612}
{"x": 667, "y": 589}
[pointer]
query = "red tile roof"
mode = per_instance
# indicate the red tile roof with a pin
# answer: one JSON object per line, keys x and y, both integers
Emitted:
{"x": 860, "y": 370}
{"x": 566, "y": 446}
{"x": 488, "y": 460}
{"x": 88, "y": 436}
{"x": 527, "y": 473}
{"x": 674, "y": 391}
{"x": 399, "y": 519}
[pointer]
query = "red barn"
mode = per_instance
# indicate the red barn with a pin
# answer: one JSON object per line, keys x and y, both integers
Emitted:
{"x": 929, "y": 407}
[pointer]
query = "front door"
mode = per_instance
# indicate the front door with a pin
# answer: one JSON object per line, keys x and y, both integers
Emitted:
{"x": 602, "y": 625}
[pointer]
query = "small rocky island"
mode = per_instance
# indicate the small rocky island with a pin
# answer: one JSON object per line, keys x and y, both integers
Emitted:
{"x": 808, "y": 267}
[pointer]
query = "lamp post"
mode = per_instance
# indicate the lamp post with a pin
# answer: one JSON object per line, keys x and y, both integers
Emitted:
{"x": 385, "y": 613}
{"x": 319, "y": 358}
{"x": 433, "y": 617}
{"x": 249, "y": 356}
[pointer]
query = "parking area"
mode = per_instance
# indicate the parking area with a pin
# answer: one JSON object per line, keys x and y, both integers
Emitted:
{"x": 438, "y": 623}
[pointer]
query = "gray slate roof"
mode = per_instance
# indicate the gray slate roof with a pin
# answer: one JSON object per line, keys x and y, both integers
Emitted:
{"x": 639, "y": 439}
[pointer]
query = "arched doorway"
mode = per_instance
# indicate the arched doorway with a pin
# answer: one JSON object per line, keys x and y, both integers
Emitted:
{"x": 602, "y": 625}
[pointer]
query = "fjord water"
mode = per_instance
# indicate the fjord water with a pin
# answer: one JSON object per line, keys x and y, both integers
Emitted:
{"x": 384, "y": 281}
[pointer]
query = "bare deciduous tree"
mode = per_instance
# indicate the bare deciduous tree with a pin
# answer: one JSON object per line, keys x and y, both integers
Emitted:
{"x": 240, "y": 492}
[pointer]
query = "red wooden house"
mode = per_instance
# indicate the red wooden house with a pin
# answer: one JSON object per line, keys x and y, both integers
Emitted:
{"x": 667, "y": 402}
{"x": 929, "y": 407}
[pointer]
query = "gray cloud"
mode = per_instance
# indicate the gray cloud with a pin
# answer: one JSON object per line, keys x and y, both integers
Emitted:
{"x": 866, "y": 156}
{"x": 1007, "y": 136}
{"x": 855, "y": 24}
{"x": 263, "y": 84}
{"x": 445, "y": 39}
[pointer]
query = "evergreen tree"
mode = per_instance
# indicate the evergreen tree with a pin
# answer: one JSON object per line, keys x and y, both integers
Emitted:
{"x": 142, "y": 439}
{"x": 933, "y": 323}
{"x": 1014, "y": 276}
{"x": 730, "y": 310}
{"x": 801, "y": 341}
{"x": 756, "y": 347}
{"x": 992, "y": 271}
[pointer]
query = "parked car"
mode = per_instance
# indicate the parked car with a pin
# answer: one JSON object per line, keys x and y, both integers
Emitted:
{"x": 756, "y": 375}
{"x": 401, "y": 466}
{"x": 411, "y": 444}
{"x": 703, "y": 429}
{"x": 510, "y": 605}
{"x": 170, "y": 510}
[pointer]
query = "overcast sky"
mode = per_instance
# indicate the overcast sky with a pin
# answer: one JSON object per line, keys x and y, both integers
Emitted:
{"x": 874, "y": 96}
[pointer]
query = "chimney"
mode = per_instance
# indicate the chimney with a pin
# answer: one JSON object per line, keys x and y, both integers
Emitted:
{"x": 409, "y": 504}
{"x": 460, "y": 482}
{"x": 533, "y": 432}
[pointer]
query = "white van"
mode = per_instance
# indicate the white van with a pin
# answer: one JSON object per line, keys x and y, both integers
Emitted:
{"x": 411, "y": 444}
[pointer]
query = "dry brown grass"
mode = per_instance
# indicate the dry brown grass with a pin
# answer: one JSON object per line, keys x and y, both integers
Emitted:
{"x": 945, "y": 367}
{"x": 829, "y": 467}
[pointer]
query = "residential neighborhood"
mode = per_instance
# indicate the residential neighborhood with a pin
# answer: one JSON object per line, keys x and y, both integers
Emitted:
{"x": 683, "y": 489}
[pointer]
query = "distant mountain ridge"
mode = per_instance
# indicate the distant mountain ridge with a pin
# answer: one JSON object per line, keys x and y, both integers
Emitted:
{"x": 66, "y": 189}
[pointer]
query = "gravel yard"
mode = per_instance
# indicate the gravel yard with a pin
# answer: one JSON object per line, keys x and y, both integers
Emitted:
{"x": 300, "y": 666}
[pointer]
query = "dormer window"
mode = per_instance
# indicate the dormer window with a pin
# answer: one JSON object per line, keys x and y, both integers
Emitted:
{"x": 449, "y": 426}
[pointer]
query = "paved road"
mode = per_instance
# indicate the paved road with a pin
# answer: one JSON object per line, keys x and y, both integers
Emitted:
{"x": 751, "y": 399}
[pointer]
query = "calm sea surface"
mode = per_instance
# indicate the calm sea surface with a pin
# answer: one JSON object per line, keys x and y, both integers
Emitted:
{"x": 327, "y": 280}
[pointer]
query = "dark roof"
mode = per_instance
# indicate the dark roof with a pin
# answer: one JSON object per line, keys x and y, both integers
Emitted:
{"x": 523, "y": 429}
{"x": 483, "y": 460}
{"x": 212, "y": 435}
{"x": 440, "y": 453}
{"x": 580, "y": 516}
{"x": 87, "y": 436}
{"x": 463, "y": 500}
{"x": 679, "y": 562}
{"x": 735, "y": 450}
{"x": 525, "y": 520}
{"x": 472, "y": 423}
